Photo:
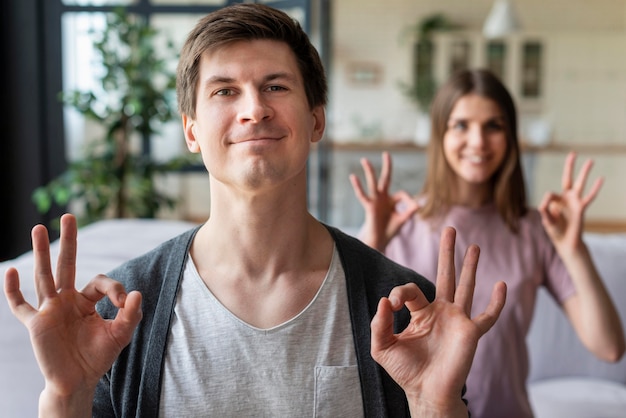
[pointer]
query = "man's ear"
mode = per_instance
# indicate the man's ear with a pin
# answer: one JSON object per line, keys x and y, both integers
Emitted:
{"x": 319, "y": 123}
{"x": 189, "y": 128}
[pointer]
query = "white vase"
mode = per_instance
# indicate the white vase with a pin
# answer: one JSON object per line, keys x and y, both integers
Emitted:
{"x": 422, "y": 129}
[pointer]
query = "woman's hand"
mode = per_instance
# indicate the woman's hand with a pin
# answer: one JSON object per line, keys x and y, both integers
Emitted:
{"x": 590, "y": 310}
{"x": 382, "y": 219}
{"x": 562, "y": 214}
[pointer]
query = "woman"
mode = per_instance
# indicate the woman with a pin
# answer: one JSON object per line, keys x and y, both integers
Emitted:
{"x": 475, "y": 184}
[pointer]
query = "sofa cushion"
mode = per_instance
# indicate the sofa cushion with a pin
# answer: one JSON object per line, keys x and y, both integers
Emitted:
{"x": 554, "y": 348}
{"x": 577, "y": 398}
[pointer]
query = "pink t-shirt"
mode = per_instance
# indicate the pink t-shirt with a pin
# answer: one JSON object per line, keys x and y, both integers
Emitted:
{"x": 496, "y": 386}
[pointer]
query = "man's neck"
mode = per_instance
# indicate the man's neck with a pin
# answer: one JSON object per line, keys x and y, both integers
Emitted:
{"x": 266, "y": 226}
{"x": 254, "y": 261}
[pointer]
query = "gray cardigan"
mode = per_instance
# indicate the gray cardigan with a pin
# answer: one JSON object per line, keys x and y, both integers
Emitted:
{"x": 133, "y": 385}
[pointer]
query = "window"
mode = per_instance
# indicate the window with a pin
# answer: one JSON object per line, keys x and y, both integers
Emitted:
{"x": 531, "y": 69}
{"x": 496, "y": 58}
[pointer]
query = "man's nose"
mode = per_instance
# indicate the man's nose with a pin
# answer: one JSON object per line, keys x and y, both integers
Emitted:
{"x": 254, "y": 107}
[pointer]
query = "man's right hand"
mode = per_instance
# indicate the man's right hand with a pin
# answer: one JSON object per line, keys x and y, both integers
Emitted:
{"x": 74, "y": 346}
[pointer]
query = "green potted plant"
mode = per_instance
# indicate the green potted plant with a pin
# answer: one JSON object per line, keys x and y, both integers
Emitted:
{"x": 423, "y": 87}
{"x": 112, "y": 178}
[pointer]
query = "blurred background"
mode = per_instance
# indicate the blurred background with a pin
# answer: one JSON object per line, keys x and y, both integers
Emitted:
{"x": 563, "y": 60}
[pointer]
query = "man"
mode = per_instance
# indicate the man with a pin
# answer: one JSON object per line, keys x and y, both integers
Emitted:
{"x": 262, "y": 310}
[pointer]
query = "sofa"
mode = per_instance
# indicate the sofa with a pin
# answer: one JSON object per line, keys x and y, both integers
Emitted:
{"x": 565, "y": 380}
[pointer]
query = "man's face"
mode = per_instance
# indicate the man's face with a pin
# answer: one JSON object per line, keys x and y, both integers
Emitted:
{"x": 253, "y": 123}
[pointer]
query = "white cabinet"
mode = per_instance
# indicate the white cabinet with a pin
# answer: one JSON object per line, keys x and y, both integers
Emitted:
{"x": 519, "y": 60}
{"x": 576, "y": 81}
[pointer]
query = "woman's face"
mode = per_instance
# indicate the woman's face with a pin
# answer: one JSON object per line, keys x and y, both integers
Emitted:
{"x": 475, "y": 141}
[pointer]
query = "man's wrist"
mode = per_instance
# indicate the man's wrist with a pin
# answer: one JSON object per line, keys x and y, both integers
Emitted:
{"x": 78, "y": 405}
{"x": 423, "y": 408}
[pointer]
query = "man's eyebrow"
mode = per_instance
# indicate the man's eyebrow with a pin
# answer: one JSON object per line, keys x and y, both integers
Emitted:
{"x": 218, "y": 79}
{"x": 281, "y": 75}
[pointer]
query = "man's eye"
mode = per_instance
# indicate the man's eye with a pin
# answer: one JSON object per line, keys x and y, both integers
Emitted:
{"x": 276, "y": 88}
{"x": 224, "y": 92}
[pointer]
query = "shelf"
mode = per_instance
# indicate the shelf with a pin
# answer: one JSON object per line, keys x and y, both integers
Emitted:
{"x": 370, "y": 145}
{"x": 590, "y": 148}
{"x": 388, "y": 145}
{"x": 611, "y": 226}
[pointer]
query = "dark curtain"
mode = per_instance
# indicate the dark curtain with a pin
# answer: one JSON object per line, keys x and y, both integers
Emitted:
{"x": 32, "y": 148}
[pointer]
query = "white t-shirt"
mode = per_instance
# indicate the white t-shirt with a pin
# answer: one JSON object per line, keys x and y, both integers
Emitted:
{"x": 217, "y": 365}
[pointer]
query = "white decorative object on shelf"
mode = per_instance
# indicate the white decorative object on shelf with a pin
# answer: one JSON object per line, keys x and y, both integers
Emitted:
{"x": 422, "y": 129}
{"x": 502, "y": 20}
{"x": 538, "y": 132}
